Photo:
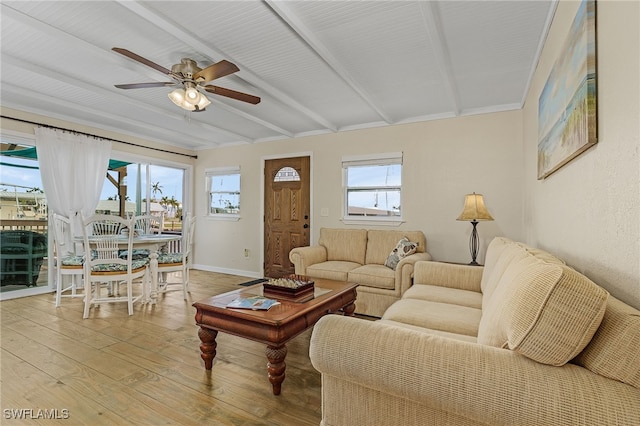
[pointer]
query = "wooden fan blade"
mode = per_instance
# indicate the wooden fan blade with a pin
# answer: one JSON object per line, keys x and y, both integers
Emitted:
{"x": 232, "y": 94}
{"x": 144, "y": 85}
{"x": 217, "y": 70}
{"x": 142, "y": 60}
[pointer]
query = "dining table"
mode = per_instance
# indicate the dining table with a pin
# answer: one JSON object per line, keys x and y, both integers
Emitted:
{"x": 153, "y": 243}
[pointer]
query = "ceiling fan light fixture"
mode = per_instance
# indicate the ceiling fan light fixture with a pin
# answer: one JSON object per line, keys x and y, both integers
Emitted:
{"x": 192, "y": 95}
{"x": 203, "y": 103}
{"x": 180, "y": 97}
{"x": 177, "y": 96}
{"x": 191, "y": 77}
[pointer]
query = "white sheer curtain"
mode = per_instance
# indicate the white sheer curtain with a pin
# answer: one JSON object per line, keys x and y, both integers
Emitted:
{"x": 73, "y": 169}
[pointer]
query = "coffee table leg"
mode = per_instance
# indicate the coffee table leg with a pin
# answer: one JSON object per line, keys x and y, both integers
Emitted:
{"x": 349, "y": 309}
{"x": 208, "y": 347}
{"x": 276, "y": 366}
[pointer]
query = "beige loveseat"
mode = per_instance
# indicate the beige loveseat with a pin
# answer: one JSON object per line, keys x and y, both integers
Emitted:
{"x": 359, "y": 255}
{"x": 526, "y": 340}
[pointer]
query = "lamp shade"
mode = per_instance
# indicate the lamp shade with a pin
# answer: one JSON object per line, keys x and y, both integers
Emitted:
{"x": 474, "y": 208}
{"x": 179, "y": 97}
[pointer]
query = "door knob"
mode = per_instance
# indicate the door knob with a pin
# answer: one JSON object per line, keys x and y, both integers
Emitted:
{"x": 305, "y": 226}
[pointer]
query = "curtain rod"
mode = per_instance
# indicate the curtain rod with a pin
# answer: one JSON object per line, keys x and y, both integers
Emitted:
{"x": 96, "y": 136}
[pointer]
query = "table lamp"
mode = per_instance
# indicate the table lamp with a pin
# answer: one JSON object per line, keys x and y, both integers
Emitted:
{"x": 474, "y": 211}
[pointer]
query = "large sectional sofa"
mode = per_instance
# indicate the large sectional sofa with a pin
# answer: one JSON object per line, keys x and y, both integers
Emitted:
{"x": 364, "y": 256}
{"x": 524, "y": 340}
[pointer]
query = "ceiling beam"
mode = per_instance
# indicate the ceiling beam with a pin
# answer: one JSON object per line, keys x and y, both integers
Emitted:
{"x": 77, "y": 82}
{"x": 100, "y": 54}
{"x": 79, "y": 110}
{"x": 245, "y": 74}
{"x": 534, "y": 64}
{"x": 283, "y": 10}
{"x": 433, "y": 28}
{"x": 107, "y": 56}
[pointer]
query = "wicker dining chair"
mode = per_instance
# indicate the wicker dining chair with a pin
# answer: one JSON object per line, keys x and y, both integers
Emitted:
{"x": 105, "y": 237}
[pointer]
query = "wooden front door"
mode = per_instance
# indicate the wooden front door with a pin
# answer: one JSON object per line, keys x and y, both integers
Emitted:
{"x": 286, "y": 212}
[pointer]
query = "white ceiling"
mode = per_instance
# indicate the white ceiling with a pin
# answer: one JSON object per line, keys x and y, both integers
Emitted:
{"x": 319, "y": 66}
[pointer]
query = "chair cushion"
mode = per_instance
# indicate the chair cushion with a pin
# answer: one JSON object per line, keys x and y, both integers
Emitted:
{"x": 614, "y": 351}
{"x": 403, "y": 248}
{"x": 117, "y": 267}
{"x": 72, "y": 261}
{"x": 170, "y": 258}
{"x": 136, "y": 255}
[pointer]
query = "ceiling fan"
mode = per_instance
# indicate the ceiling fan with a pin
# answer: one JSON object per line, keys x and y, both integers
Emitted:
{"x": 192, "y": 78}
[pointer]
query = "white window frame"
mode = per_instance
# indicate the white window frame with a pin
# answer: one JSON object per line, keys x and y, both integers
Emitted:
{"x": 218, "y": 171}
{"x": 370, "y": 160}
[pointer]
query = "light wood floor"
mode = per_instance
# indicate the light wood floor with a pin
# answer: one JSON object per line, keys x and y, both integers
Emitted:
{"x": 144, "y": 369}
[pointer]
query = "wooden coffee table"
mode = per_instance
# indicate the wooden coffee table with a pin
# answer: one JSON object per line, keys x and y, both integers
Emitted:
{"x": 274, "y": 327}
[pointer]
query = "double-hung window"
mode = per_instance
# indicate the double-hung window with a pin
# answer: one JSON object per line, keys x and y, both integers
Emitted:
{"x": 373, "y": 188}
{"x": 223, "y": 188}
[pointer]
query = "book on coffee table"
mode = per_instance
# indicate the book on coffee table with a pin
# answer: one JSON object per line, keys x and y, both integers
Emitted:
{"x": 254, "y": 302}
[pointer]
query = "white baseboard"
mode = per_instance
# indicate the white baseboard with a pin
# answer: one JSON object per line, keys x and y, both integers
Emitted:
{"x": 242, "y": 273}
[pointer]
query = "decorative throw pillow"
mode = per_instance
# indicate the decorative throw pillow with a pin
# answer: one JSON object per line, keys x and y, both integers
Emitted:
{"x": 403, "y": 249}
{"x": 613, "y": 351}
{"x": 555, "y": 315}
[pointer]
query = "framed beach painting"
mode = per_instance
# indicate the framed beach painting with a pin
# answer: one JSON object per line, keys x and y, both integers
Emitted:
{"x": 567, "y": 113}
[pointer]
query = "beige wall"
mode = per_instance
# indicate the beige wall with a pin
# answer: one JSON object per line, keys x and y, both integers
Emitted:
{"x": 588, "y": 212}
{"x": 443, "y": 161}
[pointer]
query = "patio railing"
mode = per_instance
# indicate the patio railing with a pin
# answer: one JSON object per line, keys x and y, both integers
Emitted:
{"x": 24, "y": 225}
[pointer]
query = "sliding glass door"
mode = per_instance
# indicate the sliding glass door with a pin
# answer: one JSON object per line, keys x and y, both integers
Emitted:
{"x": 24, "y": 248}
{"x": 139, "y": 188}
{"x": 132, "y": 186}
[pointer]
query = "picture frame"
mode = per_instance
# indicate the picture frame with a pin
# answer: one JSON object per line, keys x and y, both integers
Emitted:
{"x": 567, "y": 107}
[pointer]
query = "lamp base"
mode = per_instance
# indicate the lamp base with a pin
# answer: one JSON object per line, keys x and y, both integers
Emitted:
{"x": 473, "y": 243}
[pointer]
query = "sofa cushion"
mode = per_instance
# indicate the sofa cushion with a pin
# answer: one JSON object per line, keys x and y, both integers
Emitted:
{"x": 542, "y": 255}
{"x": 549, "y": 313}
{"x": 436, "y": 293}
{"x": 437, "y": 316}
{"x": 501, "y": 254}
{"x": 614, "y": 351}
{"x": 331, "y": 270}
{"x": 403, "y": 249}
{"x": 380, "y": 243}
{"x": 376, "y": 276}
{"x": 462, "y": 337}
{"x": 494, "y": 322}
{"x": 344, "y": 244}
{"x": 463, "y": 277}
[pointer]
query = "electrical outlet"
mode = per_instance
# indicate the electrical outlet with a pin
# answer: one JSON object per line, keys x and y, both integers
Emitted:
{"x": 246, "y": 252}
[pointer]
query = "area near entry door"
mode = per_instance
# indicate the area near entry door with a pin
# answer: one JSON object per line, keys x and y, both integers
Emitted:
{"x": 286, "y": 212}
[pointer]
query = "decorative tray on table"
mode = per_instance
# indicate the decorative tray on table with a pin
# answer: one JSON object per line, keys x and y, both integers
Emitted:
{"x": 293, "y": 287}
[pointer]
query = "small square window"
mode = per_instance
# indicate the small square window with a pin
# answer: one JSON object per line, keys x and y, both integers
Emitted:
{"x": 373, "y": 187}
{"x": 223, "y": 191}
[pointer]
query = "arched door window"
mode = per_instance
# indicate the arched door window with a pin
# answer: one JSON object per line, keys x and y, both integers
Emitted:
{"x": 287, "y": 174}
